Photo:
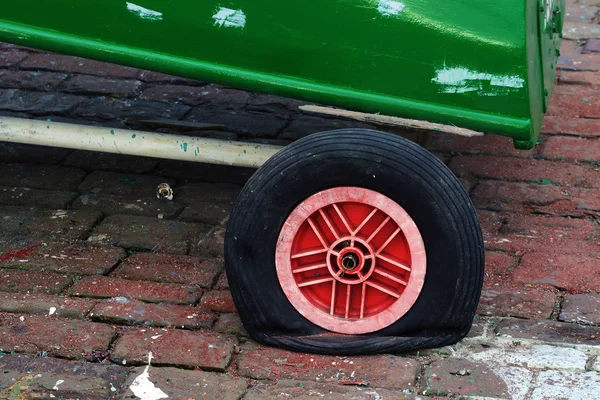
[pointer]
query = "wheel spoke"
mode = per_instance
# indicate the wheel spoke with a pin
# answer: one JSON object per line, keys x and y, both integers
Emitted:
{"x": 314, "y": 228}
{"x": 339, "y": 213}
{"x": 390, "y": 276}
{"x": 362, "y": 299}
{"x": 380, "y": 227}
{"x": 349, "y": 288}
{"x": 392, "y": 236}
{"x": 395, "y": 263}
{"x": 362, "y": 224}
{"x": 332, "y": 307}
{"x": 315, "y": 281}
{"x": 383, "y": 288}
{"x": 309, "y": 268}
{"x": 308, "y": 253}
{"x": 329, "y": 224}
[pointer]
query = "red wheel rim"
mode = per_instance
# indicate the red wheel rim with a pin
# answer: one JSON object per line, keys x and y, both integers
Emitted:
{"x": 350, "y": 260}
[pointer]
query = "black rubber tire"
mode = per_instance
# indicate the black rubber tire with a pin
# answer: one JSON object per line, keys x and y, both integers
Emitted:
{"x": 393, "y": 166}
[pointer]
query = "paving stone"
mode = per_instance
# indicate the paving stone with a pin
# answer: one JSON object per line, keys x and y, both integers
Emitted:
{"x": 210, "y": 245}
{"x": 111, "y": 204}
{"x": 306, "y": 390}
{"x": 80, "y": 258}
{"x": 8, "y": 58}
{"x": 38, "y": 103}
{"x": 457, "y": 376}
{"x": 218, "y": 300}
{"x": 27, "y": 197}
{"x": 30, "y": 154}
{"x": 217, "y": 97}
{"x": 525, "y": 170}
{"x": 490, "y": 222}
{"x": 550, "y": 331}
{"x": 305, "y": 125}
{"x": 571, "y": 126}
{"x": 245, "y": 123}
{"x": 581, "y": 308}
{"x": 142, "y": 186}
{"x": 387, "y": 371}
{"x": 170, "y": 268}
{"x": 173, "y": 347}
{"x": 95, "y": 160}
{"x": 208, "y": 213}
{"x": 94, "y": 85}
{"x": 536, "y": 356}
{"x": 571, "y": 148}
{"x": 106, "y": 108}
{"x": 583, "y": 78}
{"x": 578, "y": 30}
{"x": 207, "y": 192}
{"x": 31, "y": 80}
{"x": 273, "y": 104}
{"x": 18, "y": 281}
{"x": 232, "y": 324}
{"x": 70, "y": 338}
{"x": 498, "y": 267}
{"x": 182, "y": 384}
{"x": 566, "y": 385}
{"x": 573, "y": 58}
{"x": 39, "y": 377}
{"x": 104, "y": 287}
{"x": 161, "y": 236}
{"x": 592, "y": 46}
{"x": 69, "y": 64}
{"x": 580, "y": 12}
{"x": 517, "y": 302}
{"x": 173, "y": 94}
{"x": 41, "y": 177}
{"x": 204, "y": 172}
{"x": 222, "y": 282}
{"x": 64, "y": 307}
{"x": 121, "y": 310}
{"x": 483, "y": 145}
{"x": 157, "y": 77}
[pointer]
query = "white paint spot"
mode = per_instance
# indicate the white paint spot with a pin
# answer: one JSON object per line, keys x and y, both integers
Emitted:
{"x": 58, "y": 382}
{"x": 463, "y": 80}
{"x": 144, "y": 13}
{"x": 143, "y": 388}
{"x": 52, "y": 310}
{"x": 387, "y": 8}
{"x": 155, "y": 337}
{"x": 230, "y": 18}
{"x": 21, "y": 318}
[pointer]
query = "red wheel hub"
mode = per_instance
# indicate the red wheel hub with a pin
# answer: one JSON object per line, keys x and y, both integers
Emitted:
{"x": 350, "y": 260}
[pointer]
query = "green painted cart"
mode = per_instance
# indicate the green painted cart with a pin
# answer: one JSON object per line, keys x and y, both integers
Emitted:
{"x": 351, "y": 241}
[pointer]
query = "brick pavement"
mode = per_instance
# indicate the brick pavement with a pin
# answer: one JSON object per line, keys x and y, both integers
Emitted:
{"x": 96, "y": 273}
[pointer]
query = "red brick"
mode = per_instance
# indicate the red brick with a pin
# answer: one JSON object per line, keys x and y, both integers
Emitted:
{"x": 170, "y": 268}
{"x": 122, "y": 184}
{"x": 260, "y": 362}
{"x": 218, "y": 300}
{"x": 190, "y": 95}
{"x": 121, "y": 310}
{"x": 592, "y": 46}
{"x": 584, "y": 78}
{"x": 285, "y": 388}
{"x": 62, "y": 63}
{"x": 232, "y": 324}
{"x": 491, "y": 223}
{"x": 132, "y": 205}
{"x": 525, "y": 170}
{"x": 31, "y": 80}
{"x": 574, "y": 101}
{"x": 50, "y": 177}
{"x": 487, "y": 145}
{"x": 8, "y": 58}
{"x": 82, "y": 258}
{"x": 222, "y": 282}
{"x": 572, "y": 148}
{"x": 571, "y": 126}
{"x": 27, "y": 197}
{"x": 103, "y": 287}
{"x": 157, "y": 77}
{"x": 571, "y": 267}
{"x": 38, "y": 103}
{"x": 497, "y": 269}
{"x": 549, "y": 332}
{"x": 191, "y": 349}
{"x": 581, "y": 308}
{"x": 93, "y": 85}
{"x": 210, "y": 245}
{"x": 110, "y": 109}
{"x": 64, "y": 338}
{"x": 517, "y": 302}
{"x": 18, "y": 281}
{"x": 64, "y": 307}
{"x": 572, "y": 59}
{"x": 208, "y": 213}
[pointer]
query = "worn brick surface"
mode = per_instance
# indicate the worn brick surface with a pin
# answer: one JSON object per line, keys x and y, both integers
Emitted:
{"x": 222, "y": 282}
{"x": 581, "y": 308}
{"x": 488, "y": 145}
{"x": 132, "y": 205}
{"x": 38, "y": 103}
{"x": 379, "y": 371}
{"x": 70, "y": 338}
{"x": 65, "y": 307}
{"x": 218, "y": 300}
{"x": 27, "y": 197}
{"x": 232, "y": 324}
{"x": 25, "y": 153}
{"x": 550, "y": 331}
{"x": 204, "y": 172}
{"x": 34, "y": 176}
{"x": 571, "y": 126}
{"x": 103, "y": 287}
{"x": 93, "y": 85}
{"x": 121, "y": 310}
{"x": 157, "y": 77}
{"x": 15, "y": 280}
{"x": 57, "y": 62}
{"x": 210, "y": 245}
{"x": 291, "y": 389}
{"x": 31, "y": 80}
{"x": 565, "y": 385}
{"x": 81, "y": 258}
{"x": 190, "y": 95}
{"x": 572, "y": 148}
{"x": 122, "y": 184}
{"x": 174, "y": 347}
{"x": 8, "y": 58}
{"x": 242, "y": 122}
{"x": 170, "y": 268}
{"x": 305, "y": 125}
{"x": 207, "y": 192}
{"x": 162, "y": 236}
{"x": 93, "y": 161}
{"x": 517, "y": 302}
{"x": 586, "y": 78}
{"x": 37, "y": 377}
{"x": 106, "y": 108}
{"x": 208, "y": 213}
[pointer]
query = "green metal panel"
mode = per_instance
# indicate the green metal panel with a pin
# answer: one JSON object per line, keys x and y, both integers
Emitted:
{"x": 471, "y": 63}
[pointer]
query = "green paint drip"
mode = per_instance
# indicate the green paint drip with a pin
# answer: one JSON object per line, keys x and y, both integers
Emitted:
{"x": 112, "y": 132}
{"x": 184, "y": 146}
{"x": 133, "y": 136}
